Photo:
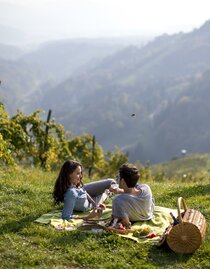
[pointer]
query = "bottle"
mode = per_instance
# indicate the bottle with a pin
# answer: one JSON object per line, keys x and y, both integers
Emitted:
{"x": 174, "y": 219}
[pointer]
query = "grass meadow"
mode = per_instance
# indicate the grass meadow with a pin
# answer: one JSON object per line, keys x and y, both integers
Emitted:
{"x": 25, "y": 194}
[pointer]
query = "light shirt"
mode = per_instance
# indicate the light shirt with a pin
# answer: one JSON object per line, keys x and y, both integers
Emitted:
{"x": 135, "y": 207}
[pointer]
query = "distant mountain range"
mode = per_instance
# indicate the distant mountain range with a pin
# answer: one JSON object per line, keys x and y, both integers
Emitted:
{"x": 19, "y": 82}
{"x": 152, "y": 101}
{"x": 27, "y": 72}
{"x": 10, "y": 35}
{"x": 63, "y": 58}
{"x": 9, "y": 52}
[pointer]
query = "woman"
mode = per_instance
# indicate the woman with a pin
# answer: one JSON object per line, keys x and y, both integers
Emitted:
{"x": 69, "y": 189}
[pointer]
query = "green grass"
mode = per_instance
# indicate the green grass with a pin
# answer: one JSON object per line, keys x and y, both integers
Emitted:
{"x": 194, "y": 165}
{"x": 26, "y": 194}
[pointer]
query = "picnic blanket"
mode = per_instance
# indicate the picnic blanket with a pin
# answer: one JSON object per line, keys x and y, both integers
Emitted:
{"x": 157, "y": 224}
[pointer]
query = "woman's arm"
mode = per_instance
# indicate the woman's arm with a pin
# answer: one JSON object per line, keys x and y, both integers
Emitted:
{"x": 69, "y": 203}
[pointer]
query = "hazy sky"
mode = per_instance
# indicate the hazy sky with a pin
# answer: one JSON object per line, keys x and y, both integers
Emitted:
{"x": 57, "y": 19}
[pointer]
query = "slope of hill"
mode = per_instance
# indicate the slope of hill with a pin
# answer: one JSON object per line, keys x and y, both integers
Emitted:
{"x": 185, "y": 167}
{"x": 63, "y": 58}
{"x": 8, "y": 52}
{"x": 185, "y": 123}
{"x": 51, "y": 62}
{"x": 26, "y": 244}
{"x": 149, "y": 82}
{"x": 19, "y": 81}
{"x": 165, "y": 84}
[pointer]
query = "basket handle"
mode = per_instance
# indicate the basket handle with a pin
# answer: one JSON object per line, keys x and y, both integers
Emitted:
{"x": 181, "y": 202}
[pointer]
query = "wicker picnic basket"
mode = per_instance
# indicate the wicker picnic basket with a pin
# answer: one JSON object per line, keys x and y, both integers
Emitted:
{"x": 187, "y": 235}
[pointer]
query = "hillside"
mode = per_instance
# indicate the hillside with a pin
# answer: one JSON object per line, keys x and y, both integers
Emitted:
{"x": 49, "y": 64}
{"x": 165, "y": 84}
{"x": 184, "y": 123}
{"x": 186, "y": 167}
{"x": 63, "y": 58}
{"x": 19, "y": 81}
{"x": 26, "y": 194}
{"x": 149, "y": 82}
{"x": 8, "y": 52}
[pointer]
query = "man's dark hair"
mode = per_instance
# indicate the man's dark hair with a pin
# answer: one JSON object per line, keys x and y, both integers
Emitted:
{"x": 130, "y": 173}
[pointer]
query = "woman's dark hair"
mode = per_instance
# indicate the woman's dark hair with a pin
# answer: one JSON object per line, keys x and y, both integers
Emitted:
{"x": 62, "y": 183}
{"x": 130, "y": 174}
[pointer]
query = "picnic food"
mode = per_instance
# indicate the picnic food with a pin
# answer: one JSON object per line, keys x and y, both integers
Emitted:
{"x": 144, "y": 230}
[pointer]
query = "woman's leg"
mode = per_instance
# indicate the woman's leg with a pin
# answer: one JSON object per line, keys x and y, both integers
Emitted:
{"x": 97, "y": 192}
{"x": 97, "y": 188}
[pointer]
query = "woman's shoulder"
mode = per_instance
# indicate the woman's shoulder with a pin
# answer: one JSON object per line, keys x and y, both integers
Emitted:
{"x": 72, "y": 191}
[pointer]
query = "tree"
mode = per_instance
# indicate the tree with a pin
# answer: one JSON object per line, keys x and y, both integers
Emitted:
{"x": 112, "y": 163}
{"x": 81, "y": 148}
{"x": 5, "y": 146}
{"x": 31, "y": 140}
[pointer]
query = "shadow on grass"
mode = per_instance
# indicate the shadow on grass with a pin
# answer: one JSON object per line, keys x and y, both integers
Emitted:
{"x": 17, "y": 225}
{"x": 163, "y": 256}
{"x": 65, "y": 239}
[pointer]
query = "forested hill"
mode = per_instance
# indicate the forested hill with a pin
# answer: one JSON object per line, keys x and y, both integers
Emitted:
{"x": 185, "y": 123}
{"x": 62, "y": 58}
{"x": 28, "y": 72}
{"x": 165, "y": 84}
{"x": 9, "y": 52}
{"x": 19, "y": 82}
{"x": 151, "y": 82}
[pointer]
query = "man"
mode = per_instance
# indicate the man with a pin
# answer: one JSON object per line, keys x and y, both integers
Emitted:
{"x": 134, "y": 201}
